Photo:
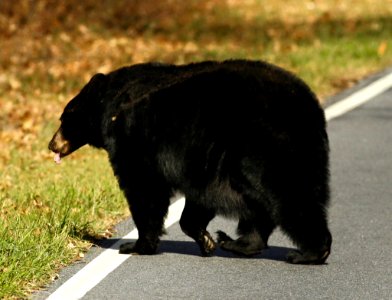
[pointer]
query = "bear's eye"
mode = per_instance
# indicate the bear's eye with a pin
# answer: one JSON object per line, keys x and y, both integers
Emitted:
{"x": 67, "y": 117}
{"x": 63, "y": 118}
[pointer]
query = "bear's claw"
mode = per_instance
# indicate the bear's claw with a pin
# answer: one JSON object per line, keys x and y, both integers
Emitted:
{"x": 207, "y": 245}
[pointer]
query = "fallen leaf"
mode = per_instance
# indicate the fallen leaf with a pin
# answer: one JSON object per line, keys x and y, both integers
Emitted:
{"x": 71, "y": 245}
{"x": 382, "y": 48}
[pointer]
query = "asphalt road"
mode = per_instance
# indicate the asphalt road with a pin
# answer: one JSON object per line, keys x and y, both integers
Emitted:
{"x": 359, "y": 267}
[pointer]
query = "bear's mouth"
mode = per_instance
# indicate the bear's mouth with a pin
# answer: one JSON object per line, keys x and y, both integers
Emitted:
{"x": 57, "y": 158}
{"x": 60, "y": 146}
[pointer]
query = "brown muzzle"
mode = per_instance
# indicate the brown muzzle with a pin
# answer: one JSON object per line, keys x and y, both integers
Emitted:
{"x": 59, "y": 144}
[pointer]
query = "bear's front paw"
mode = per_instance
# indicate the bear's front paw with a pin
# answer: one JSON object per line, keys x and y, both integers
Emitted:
{"x": 128, "y": 248}
{"x": 137, "y": 249}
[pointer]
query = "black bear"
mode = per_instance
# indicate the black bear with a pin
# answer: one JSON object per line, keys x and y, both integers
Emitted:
{"x": 242, "y": 139}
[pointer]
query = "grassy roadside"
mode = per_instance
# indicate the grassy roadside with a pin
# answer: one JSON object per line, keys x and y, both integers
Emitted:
{"x": 49, "y": 213}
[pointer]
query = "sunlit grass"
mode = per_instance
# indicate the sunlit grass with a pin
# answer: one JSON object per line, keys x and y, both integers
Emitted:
{"x": 50, "y": 212}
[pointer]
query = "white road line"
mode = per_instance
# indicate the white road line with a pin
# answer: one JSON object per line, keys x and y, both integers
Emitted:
{"x": 358, "y": 98}
{"x": 95, "y": 271}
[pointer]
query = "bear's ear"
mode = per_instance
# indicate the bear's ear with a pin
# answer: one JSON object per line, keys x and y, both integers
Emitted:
{"x": 96, "y": 87}
{"x": 97, "y": 79}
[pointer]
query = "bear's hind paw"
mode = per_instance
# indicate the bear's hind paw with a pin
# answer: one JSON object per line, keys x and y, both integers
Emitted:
{"x": 307, "y": 258}
{"x": 222, "y": 237}
{"x": 242, "y": 246}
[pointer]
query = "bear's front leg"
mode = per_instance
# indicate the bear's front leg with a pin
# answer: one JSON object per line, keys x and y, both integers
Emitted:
{"x": 148, "y": 213}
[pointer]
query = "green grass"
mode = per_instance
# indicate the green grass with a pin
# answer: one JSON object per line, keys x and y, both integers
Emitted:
{"x": 49, "y": 213}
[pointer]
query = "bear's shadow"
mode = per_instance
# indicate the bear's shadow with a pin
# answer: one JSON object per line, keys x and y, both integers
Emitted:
{"x": 190, "y": 248}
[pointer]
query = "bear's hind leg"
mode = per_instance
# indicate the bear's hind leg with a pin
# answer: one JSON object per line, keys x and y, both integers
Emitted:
{"x": 194, "y": 221}
{"x": 308, "y": 229}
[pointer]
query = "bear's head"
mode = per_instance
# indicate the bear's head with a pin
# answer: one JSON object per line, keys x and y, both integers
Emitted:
{"x": 81, "y": 119}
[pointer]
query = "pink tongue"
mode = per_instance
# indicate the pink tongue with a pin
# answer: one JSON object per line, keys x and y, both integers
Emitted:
{"x": 57, "y": 158}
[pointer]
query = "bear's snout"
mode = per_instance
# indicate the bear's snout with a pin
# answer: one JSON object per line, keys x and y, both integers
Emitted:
{"x": 59, "y": 144}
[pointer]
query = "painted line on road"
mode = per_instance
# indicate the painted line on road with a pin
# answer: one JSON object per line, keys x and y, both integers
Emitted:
{"x": 96, "y": 270}
{"x": 358, "y": 98}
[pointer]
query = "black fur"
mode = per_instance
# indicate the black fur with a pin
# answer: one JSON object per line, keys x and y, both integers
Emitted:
{"x": 242, "y": 139}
